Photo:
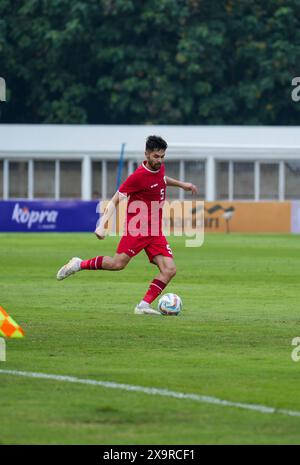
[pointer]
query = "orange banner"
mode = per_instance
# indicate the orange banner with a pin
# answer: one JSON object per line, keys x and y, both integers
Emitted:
{"x": 219, "y": 216}
{"x": 248, "y": 217}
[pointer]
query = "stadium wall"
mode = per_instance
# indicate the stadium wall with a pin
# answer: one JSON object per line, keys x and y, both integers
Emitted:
{"x": 248, "y": 176}
{"x": 219, "y": 217}
{"x": 227, "y": 163}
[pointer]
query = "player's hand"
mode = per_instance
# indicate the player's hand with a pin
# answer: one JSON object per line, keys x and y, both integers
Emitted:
{"x": 188, "y": 186}
{"x": 100, "y": 234}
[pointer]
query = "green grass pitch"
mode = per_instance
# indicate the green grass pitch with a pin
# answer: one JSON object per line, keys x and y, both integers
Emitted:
{"x": 232, "y": 341}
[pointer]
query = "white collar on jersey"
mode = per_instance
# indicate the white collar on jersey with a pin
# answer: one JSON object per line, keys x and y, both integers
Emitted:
{"x": 151, "y": 171}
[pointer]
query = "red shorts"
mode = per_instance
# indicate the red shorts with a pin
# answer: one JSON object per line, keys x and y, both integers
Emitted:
{"x": 156, "y": 245}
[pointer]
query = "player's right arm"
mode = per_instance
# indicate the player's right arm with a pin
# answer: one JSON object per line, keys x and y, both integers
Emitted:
{"x": 129, "y": 186}
{"x": 109, "y": 210}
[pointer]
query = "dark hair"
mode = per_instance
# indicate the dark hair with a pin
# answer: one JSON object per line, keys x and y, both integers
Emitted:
{"x": 155, "y": 143}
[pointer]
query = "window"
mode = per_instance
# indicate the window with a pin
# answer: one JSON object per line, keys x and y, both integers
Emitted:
{"x": 243, "y": 180}
{"x": 70, "y": 179}
{"x": 269, "y": 181}
{"x": 96, "y": 180}
{"x": 18, "y": 179}
{"x": 292, "y": 180}
{"x": 135, "y": 165}
{"x": 1, "y": 179}
{"x": 222, "y": 179}
{"x": 44, "y": 179}
{"x": 194, "y": 171}
{"x": 172, "y": 171}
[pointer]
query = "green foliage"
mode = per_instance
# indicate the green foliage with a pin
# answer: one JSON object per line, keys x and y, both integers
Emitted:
{"x": 157, "y": 61}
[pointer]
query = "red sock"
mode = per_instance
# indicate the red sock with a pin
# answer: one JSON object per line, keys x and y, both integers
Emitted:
{"x": 156, "y": 287}
{"x": 92, "y": 264}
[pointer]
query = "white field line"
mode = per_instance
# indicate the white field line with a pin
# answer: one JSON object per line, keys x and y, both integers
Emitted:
{"x": 153, "y": 391}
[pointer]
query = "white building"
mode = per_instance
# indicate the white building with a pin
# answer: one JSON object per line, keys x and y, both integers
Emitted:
{"x": 80, "y": 162}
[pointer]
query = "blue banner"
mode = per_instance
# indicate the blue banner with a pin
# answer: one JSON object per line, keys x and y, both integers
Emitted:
{"x": 48, "y": 216}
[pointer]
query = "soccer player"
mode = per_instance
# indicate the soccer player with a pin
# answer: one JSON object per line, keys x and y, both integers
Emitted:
{"x": 145, "y": 190}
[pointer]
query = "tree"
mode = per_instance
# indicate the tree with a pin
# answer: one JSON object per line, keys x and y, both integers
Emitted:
{"x": 157, "y": 61}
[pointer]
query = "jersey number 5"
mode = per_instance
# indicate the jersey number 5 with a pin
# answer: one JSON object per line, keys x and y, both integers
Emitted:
{"x": 169, "y": 249}
{"x": 162, "y": 194}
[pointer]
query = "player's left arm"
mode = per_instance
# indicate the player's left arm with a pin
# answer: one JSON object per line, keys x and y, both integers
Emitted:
{"x": 187, "y": 186}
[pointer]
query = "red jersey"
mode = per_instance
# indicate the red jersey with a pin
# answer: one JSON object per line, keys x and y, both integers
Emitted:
{"x": 146, "y": 193}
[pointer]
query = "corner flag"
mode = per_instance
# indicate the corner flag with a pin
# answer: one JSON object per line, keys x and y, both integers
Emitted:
{"x": 8, "y": 327}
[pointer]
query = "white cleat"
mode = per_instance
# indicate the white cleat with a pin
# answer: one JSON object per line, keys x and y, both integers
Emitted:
{"x": 70, "y": 268}
{"x": 143, "y": 310}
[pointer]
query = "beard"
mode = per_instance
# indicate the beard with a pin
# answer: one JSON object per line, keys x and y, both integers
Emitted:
{"x": 154, "y": 165}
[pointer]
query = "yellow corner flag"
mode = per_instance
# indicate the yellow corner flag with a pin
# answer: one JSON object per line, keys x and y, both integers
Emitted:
{"x": 8, "y": 327}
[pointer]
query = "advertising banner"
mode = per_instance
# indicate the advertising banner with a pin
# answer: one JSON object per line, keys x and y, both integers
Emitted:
{"x": 187, "y": 217}
{"x": 46, "y": 216}
{"x": 219, "y": 216}
{"x": 248, "y": 217}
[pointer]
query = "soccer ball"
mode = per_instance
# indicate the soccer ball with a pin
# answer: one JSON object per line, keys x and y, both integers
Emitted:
{"x": 169, "y": 304}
